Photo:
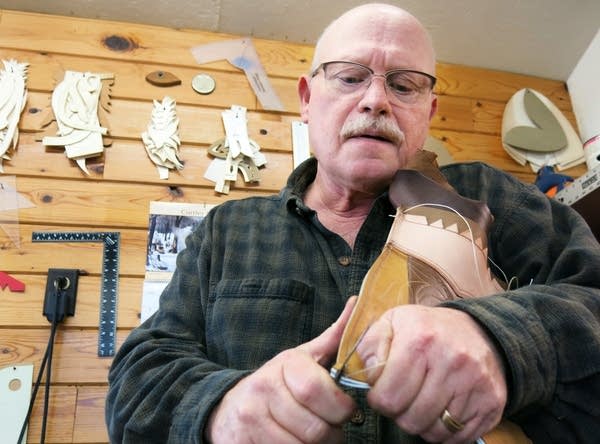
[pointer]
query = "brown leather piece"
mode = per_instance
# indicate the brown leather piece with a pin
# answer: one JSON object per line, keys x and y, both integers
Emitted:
{"x": 163, "y": 78}
{"x": 410, "y": 188}
{"x": 385, "y": 285}
{"x": 506, "y": 433}
{"x": 433, "y": 253}
{"x": 425, "y": 162}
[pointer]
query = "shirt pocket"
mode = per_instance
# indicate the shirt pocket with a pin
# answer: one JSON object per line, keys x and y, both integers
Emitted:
{"x": 251, "y": 320}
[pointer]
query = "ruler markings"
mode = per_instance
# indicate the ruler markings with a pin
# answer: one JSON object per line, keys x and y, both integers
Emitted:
{"x": 580, "y": 187}
{"x": 109, "y": 280}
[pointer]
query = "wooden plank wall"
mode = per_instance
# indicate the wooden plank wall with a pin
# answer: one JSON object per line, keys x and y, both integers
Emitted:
{"x": 117, "y": 194}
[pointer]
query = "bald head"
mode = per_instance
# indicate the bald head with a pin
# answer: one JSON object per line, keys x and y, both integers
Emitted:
{"x": 379, "y": 24}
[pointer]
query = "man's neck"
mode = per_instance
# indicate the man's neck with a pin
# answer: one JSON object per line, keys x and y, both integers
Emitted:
{"x": 341, "y": 211}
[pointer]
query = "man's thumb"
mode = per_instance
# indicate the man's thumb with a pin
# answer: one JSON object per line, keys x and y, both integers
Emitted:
{"x": 324, "y": 347}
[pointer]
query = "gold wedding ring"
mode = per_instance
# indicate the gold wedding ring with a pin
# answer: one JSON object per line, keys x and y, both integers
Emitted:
{"x": 451, "y": 423}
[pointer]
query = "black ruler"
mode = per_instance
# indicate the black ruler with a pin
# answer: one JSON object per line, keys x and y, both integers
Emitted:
{"x": 110, "y": 279}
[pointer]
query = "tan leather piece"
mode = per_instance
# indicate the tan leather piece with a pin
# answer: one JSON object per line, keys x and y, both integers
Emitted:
{"x": 386, "y": 285}
{"x": 436, "y": 250}
{"x": 505, "y": 433}
{"x": 431, "y": 255}
{"x": 451, "y": 245}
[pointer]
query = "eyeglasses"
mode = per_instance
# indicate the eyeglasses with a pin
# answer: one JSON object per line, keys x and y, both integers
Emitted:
{"x": 405, "y": 85}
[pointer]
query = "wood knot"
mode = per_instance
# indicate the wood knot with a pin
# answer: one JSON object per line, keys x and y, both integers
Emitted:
{"x": 263, "y": 131}
{"x": 119, "y": 43}
{"x": 175, "y": 191}
{"x": 46, "y": 198}
{"x": 96, "y": 168}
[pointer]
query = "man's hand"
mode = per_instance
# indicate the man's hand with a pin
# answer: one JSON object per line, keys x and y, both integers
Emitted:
{"x": 423, "y": 360}
{"x": 290, "y": 399}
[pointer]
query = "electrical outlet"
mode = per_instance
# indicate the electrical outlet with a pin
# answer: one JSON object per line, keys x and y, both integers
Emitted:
{"x": 61, "y": 284}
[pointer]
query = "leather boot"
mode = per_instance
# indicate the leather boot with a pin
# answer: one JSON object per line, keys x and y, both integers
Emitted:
{"x": 436, "y": 251}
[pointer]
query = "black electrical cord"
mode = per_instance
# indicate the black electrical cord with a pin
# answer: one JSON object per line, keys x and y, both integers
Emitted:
{"x": 33, "y": 395}
{"x": 59, "y": 304}
{"x": 48, "y": 376}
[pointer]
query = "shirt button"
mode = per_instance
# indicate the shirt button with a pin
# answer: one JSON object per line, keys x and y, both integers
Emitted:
{"x": 344, "y": 260}
{"x": 358, "y": 417}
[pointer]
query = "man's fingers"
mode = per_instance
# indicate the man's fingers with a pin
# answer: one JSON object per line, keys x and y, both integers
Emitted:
{"x": 324, "y": 347}
{"x": 444, "y": 361}
{"x": 314, "y": 389}
{"x": 374, "y": 348}
{"x": 302, "y": 416}
{"x": 297, "y": 419}
{"x": 311, "y": 386}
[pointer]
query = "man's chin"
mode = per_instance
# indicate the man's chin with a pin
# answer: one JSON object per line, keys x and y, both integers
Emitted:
{"x": 375, "y": 166}
{"x": 374, "y": 174}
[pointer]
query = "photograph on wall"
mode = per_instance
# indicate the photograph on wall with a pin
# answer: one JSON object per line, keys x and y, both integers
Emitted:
{"x": 169, "y": 224}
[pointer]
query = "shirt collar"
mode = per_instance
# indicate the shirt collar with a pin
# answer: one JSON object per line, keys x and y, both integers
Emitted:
{"x": 298, "y": 183}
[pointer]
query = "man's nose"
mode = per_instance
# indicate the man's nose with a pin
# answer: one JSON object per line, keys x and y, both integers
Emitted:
{"x": 375, "y": 97}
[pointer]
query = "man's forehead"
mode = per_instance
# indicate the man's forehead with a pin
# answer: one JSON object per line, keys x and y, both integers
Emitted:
{"x": 396, "y": 43}
{"x": 363, "y": 49}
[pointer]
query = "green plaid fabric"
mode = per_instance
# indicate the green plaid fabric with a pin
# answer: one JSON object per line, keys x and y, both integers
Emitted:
{"x": 260, "y": 275}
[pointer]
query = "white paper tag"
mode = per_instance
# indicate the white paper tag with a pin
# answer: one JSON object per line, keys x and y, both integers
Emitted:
{"x": 215, "y": 170}
{"x": 15, "y": 391}
{"x": 300, "y": 143}
{"x": 236, "y": 130}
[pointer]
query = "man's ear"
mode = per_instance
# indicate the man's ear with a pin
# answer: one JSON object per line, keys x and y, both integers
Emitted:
{"x": 433, "y": 107}
{"x": 304, "y": 94}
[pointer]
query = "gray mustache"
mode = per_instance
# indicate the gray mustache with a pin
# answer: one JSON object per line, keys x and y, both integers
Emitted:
{"x": 381, "y": 127}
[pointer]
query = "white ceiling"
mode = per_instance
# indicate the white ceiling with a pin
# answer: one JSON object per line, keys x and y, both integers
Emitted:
{"x": 544, "y": 38}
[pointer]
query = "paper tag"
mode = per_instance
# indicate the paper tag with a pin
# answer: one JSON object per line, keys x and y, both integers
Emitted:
{"x": 215, "y": 170}
{"x": 15, "y": 391}
{"x": 151, "y": 298}
{"x": 234, "y": 121}
{"x": 300, "y": 143}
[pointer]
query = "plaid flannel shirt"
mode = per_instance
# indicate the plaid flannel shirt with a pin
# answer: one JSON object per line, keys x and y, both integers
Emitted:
{"x": 261, "y": 275}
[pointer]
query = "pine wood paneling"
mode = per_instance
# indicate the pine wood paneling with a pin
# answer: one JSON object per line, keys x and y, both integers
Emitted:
{"x": 122, "y": 182}
{"x": 478, "y": 83}
{"x": 75, "y": 360}
{"x": 90, "y": 407}
{"x": 61, "y": 415}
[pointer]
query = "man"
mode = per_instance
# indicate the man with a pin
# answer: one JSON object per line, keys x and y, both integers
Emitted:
{"x": 240, "y": 349}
